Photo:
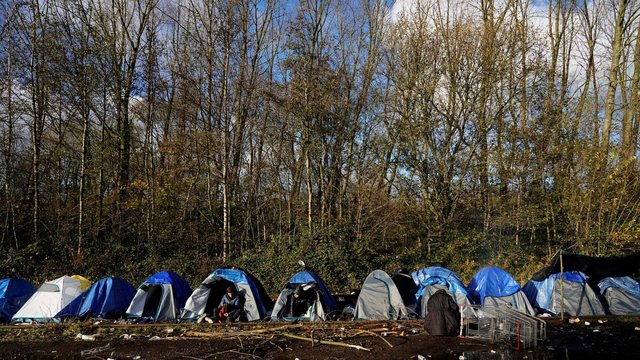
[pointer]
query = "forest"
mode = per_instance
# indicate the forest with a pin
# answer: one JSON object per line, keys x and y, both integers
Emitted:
{"x": 141, "y": 135}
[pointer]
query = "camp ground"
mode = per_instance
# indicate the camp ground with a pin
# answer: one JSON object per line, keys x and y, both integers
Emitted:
{"x": 207, "y": 296}
{"x": 50, "y": 298}
{"x": 434, "y": 278}
{"x": 314, "y": 287}
{"x": 160, "y": 298}
{"x": 13, "y": 294}
{"x": 492, "y": 287}
{"x": 380, "y": 299}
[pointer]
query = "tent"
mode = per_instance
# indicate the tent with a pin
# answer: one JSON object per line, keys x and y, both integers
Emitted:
{"x": 380, "y": 299}
{"x": 621, "y": 295}
{"x": 492, "y": 286}
{"x": 13, "y": 294}
{"x": 434, "y": 278}
{"x": 51, "y": 297}
{"x": 569, "y": 292}
{"x": 160, "y": 298}
{"x": 108, "y": 298}
{"x": 207, "y": 296}
{"x": 323, "y": 304}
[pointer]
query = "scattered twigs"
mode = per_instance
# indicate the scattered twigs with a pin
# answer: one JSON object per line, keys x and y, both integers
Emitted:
{"x": 95, "y": 350}
{"x": 376, "y": 335}
{"x": 335, "y": 343}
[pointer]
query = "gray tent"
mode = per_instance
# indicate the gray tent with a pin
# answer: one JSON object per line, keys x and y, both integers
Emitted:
{"x": 622, "y": 295}
{"x": 206, "y": 298}
{"x": 570, "y": 289}
{"x": 380, "y": 299}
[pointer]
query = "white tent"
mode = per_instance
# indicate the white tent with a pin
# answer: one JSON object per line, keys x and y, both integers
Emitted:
{"x": 50, "y": 298}
{"x": 380, "y": 299}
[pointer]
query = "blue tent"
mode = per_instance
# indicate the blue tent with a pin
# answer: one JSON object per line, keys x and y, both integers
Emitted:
{"x": 433, "y": 278}
{"x": 305, "y": 277}
{"x": 492, "y": 286}
{"x": 622, "y": 295}
{"x": 575, "y": 297}
{"x": 107, "y": 298}
{"x": 160, "y": 298}
{"x": 207, "y": 296}
{"x": 181, "y": 288}
{"x": 324, "y": 302}
{"x": 13, "y": 294}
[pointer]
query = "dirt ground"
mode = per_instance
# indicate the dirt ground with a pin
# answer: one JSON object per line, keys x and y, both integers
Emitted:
{"x": 591, "y": 338}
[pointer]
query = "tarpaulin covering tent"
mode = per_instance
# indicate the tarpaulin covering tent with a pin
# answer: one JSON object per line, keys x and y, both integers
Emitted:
{"x": 492, "y": 286}
{"x": 380, "y": 299}
{"x": 207, "y": 296}
{"x": 323, "y": 302}
{"x": 14, "y": 293}
{"x": 569, "y": 293}
{"x": 595, "y": 268}
{"x": 621, "y": 294}
{"x": 160, "y": 298}
{"x": 50, "y": 298}
{"x": 434, "y": 278}
{"x": 107, "y": 298}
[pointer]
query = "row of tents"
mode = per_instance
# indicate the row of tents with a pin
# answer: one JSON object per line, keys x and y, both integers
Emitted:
{"x": 166, "y": 297}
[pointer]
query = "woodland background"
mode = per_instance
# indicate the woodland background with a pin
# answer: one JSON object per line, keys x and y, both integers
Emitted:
{"x": 142, "y": 135}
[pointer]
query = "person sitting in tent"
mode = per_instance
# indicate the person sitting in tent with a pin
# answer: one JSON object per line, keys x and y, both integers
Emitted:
{"x": 443, "y": 317}
{"x": 298, "y": 303}
{"x": 231, "y": 306}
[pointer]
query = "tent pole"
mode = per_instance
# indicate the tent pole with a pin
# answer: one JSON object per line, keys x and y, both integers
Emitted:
{"x": 561, "y": 288}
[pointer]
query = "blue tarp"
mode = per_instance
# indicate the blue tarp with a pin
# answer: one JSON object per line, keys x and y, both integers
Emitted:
{"x": 624, "y": 283}
{"x": 13, "y": 294}
{"x": 304, "y": 277}
{"x": 539, "y": 292}
{"x": 435, "y": 275}
{"x": 181, "y": 288}
{"x": 237, "y": 276}
{"x": 491, "y": 281}
{"x": 107, "y": 298}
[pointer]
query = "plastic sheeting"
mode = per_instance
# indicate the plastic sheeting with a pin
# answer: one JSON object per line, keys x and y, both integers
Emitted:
{"x": 433, "y": 278}
{"x": 491, "y": 281}
{"x": 107, "y": 298}
{"x": 14, "y": 293}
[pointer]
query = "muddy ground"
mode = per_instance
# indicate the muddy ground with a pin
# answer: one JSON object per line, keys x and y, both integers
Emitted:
{"x": 591, "y": 338}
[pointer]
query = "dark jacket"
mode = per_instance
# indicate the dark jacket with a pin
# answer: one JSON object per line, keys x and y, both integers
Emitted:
{"x": 443, "y": 315}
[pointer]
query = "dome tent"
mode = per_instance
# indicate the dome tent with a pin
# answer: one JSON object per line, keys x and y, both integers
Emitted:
{"x": 14, "y": 293}
{"x": 51, "y": 297}
{"x": 380, "y": 299}
{"x": 107, "y": 298}
{"x": 160, "y": 298}
{"x": 621, "y": 295}
{"x": 314, "y": 287}
{"x": 569, "y": 293}
{"x": 207, "y": 296}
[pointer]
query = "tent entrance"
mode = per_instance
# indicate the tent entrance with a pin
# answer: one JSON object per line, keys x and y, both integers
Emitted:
{"x": 217, "y": 290}
{"x": 152, "y": 301}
